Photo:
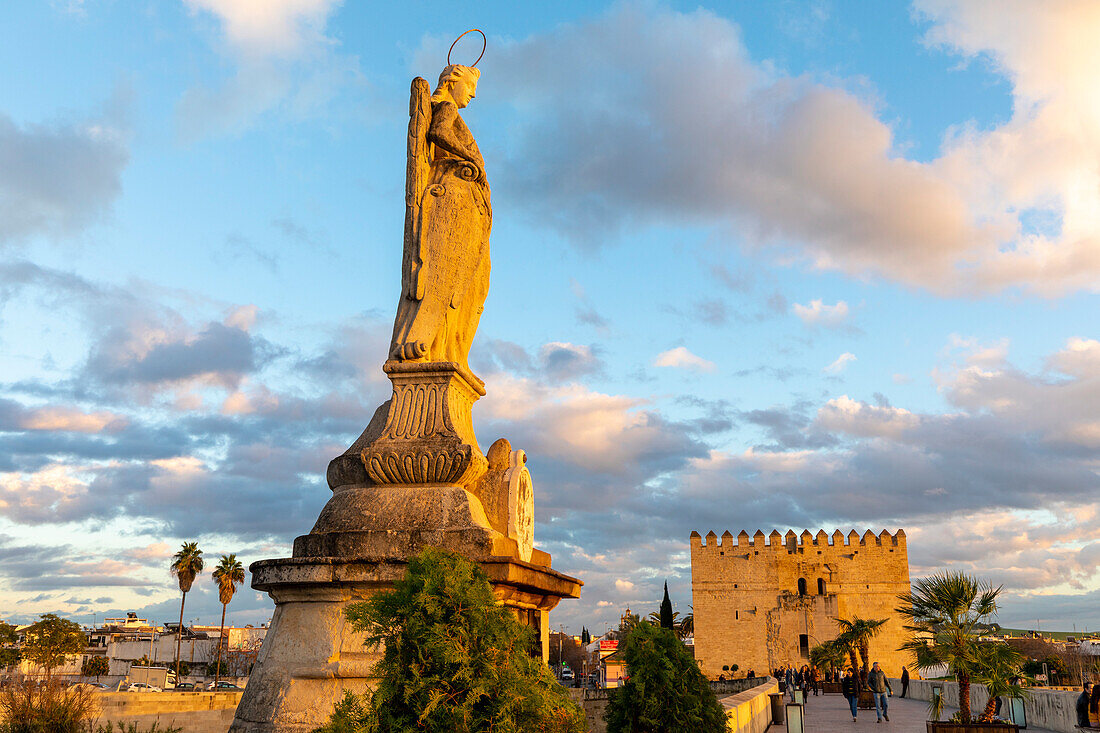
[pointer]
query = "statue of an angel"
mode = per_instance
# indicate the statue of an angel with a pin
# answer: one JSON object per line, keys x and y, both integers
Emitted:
{"x": 448, "y": 216}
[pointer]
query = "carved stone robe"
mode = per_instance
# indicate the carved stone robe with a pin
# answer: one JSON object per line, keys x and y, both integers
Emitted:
{"x": 445, "y": 268}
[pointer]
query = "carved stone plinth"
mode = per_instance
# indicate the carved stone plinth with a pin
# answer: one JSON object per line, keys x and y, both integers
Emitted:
{"x": 311, "y": 655}
{"x": 429, "y": 435}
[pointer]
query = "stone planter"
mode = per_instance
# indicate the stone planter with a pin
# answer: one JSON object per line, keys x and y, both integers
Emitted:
{"x": 866, "y": 700}
{"x": 935, "y": 726}
{"x": 831, "y": 688}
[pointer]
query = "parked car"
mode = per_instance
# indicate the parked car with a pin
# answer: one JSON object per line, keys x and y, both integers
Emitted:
{"x": 224, "y": 686}
{"x": 186, "y": 687}
{"x": 142, "y": 687}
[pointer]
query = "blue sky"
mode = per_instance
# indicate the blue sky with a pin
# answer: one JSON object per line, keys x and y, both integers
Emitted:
{"x": 755, "y": 265}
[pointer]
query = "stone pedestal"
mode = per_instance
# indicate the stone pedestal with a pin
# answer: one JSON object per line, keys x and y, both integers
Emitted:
{"x": 415, "y": 478}
{"x": 311, "y": 655}
{"x": 429, "y": 435}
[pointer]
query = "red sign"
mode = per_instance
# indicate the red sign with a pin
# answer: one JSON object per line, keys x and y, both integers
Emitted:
{"x": 608, "y": 645}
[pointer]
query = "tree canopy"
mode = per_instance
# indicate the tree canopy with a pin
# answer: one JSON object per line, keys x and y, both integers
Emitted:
{"x": 664, "y": 690}
{"x": 187, "y": 564}
{"x": 455, "y": 660}
{"x": 228, "y": 574}
{"x": 856, "y": 634}
{"x": 51, "y": 640}
{"x": 95, "y": 666}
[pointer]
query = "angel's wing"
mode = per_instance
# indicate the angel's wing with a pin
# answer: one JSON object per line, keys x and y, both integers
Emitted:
{"x": 416, "y": 179}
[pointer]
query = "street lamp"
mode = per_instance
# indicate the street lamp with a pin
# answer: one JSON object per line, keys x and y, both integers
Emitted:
{"x": 795, "y": 718}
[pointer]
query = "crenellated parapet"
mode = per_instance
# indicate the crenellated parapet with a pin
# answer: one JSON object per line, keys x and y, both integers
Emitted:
{"x": 791, "y": 540}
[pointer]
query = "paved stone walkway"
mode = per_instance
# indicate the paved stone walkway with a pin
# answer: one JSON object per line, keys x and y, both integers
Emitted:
{"x": 829, "y": 713}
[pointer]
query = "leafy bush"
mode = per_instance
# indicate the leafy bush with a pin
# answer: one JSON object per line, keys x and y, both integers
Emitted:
{"x": 665, "y": 690}
{"x": 455, "y": 660}
{"x": 95, "y": 666}
{"x": 31, "y": 706}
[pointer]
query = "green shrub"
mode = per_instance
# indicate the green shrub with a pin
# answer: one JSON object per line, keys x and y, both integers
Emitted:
{"x": 455, "y": 660}
{"x": 664, "y": 690}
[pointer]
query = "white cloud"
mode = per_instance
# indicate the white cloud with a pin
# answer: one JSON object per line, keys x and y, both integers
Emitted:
{"x": 284, "y": 62}
{"x": 840, "y": 363}
{"x": 270, "y": 27}
{"x": 852, "y": 417}
{"x": 67, "y": 419}
{"x": 818, "y": 313}
{"x": 1062, "y": 410}
{"x": 681, "y": 358}
{"x": 793, "y": 164}
{"x": 58, "y": 179}
{"x": 623, "y": 585}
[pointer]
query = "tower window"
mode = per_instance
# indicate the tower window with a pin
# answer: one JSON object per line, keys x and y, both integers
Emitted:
{"x": 804, "y": 645}
{"x": 821, "y": 586}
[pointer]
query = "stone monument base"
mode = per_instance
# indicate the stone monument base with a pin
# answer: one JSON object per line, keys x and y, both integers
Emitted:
{"x": 311, "y": 655}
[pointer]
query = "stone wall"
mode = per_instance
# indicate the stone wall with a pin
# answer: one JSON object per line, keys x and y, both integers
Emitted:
{"x": 748, "y": 708}
{"x": 193, "y": 712}
{"x": 757, "y": 599}
{"x": 1051, "y": 709}
{"x": 750, "y": 711}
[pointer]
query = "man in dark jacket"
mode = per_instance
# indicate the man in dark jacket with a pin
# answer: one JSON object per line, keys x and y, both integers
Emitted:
{"x": 849, "y": 685}
{"x": 1083, "y": 707}
{"x": 904, "y": 681}
{"x": 880, "y": 690}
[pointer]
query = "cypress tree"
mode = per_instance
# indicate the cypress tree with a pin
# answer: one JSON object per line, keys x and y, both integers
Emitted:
{"x": 666, "y": 610}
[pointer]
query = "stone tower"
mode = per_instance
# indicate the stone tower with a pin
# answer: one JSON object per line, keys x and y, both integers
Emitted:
{"x": 761, "y": 602}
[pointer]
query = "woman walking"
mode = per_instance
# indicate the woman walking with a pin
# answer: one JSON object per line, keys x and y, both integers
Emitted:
{"x": 849, "y": 685}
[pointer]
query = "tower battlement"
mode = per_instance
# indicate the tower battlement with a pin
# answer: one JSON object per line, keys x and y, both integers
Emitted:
{"x": 791, "y": 540}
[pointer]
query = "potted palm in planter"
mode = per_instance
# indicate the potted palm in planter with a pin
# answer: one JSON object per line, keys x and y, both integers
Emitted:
{"x": 945, "y": 610}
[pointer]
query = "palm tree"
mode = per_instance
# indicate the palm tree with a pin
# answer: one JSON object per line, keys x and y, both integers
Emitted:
{"x": 998, "y": 668}
{"x": 829, "y": 655}
{"x": 846, "y": 643}
{"x": 186, "y": 565}
{"x": 228, "y": 575}
{"x": 945, "y": 609}
{"x": 655, "y": 618}
{"x": 687, "y": 624}
{"x": 859, "y": 632}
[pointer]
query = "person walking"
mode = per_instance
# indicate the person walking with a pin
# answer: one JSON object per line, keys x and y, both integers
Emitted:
{"x": 788, "y": 677}
{"x": 849, "y": 686}
{"x": 1083, "y": 707}
{"x": 814, "y": 679}
{"x": 880, "y": 690}
{"x": 904, "y": 681}
{"x": 1094, "y": 706}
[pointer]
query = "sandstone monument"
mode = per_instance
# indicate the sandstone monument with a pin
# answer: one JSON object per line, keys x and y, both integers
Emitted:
{"x": 416, "y": 477}
{"x": 762, "y": 602}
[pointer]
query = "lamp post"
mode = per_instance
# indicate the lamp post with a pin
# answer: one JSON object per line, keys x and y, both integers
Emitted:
{"x": 561, "y": 633}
